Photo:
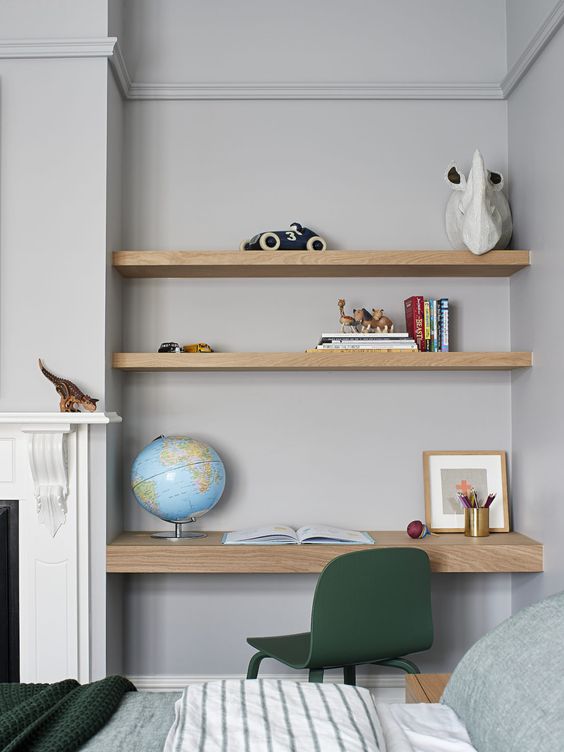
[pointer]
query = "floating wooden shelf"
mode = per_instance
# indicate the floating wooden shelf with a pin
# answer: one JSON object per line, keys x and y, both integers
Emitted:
{"x": 139, "y": 553}
{"x": 323, "y": 361}
{"x": 318, "y": 264}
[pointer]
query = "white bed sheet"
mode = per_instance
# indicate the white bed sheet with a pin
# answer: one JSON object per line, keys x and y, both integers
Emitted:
{"x": 422, "y": 728}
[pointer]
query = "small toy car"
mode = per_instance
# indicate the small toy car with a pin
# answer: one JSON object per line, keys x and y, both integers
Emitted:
{"x": 297, "y": 238}
{"x": 170, "y": 347}
{"x": 198, "y": 347}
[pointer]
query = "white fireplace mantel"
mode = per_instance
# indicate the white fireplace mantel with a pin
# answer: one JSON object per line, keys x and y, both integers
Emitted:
{"x": 55, "y": 419}
{"x": 44, "y": 465}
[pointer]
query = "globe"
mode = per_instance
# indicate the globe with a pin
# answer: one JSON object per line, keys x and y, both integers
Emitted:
{"x": 178, "y": 479}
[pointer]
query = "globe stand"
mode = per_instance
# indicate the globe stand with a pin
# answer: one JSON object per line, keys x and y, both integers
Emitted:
{"x": 179, "y": 533}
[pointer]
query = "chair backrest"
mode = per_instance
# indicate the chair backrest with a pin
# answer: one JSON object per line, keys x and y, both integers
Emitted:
{"x": 371, "y": 605}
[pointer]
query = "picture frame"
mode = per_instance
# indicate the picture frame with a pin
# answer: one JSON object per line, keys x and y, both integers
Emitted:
{"x": 443, "y": 473}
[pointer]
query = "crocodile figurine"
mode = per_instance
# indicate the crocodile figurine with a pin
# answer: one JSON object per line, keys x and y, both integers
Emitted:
{"x": 71, "y": 396}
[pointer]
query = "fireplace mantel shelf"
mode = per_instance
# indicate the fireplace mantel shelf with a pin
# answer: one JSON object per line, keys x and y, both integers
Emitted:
{"x": 60, "y": 418}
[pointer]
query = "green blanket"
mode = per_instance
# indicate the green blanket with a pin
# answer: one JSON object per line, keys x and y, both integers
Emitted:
{"x": 56, "y": 717}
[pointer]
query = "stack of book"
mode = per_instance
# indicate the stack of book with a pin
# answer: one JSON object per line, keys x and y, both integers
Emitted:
{"x": 384, "y": 341}
{"x": 426, "y": 321}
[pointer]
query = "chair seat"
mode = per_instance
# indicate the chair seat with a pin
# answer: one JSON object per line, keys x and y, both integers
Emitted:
{"x": 293, "y": 650}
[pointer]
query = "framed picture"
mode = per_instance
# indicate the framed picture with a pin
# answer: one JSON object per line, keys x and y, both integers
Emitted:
{"x": 447, "y": 473}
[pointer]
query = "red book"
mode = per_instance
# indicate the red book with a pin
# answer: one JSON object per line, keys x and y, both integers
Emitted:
{"x": 414, "y": 319}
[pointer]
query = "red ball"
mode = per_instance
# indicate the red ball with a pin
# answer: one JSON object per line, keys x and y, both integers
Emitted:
{"x": 415, "y": 529}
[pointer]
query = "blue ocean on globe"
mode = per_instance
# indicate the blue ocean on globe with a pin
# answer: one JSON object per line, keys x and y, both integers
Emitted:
{"x": 177, "y": 478}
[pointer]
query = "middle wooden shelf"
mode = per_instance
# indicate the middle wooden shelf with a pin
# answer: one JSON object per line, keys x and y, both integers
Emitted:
{"x": 323, "y": 361}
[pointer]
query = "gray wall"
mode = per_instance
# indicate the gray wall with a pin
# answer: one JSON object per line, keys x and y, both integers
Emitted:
{"x": 52, "y": 233}
{"x": 320, "y": 40}
{"x": 338, "y": 448}
{"x": 536, "y": 149}
{"x": 114, "y": 340}
{"x": 524, "y": 18}
{"x": 55, "y": 19}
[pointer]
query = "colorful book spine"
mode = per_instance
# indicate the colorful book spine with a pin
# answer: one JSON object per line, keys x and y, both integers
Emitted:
{"x": 439, "y": 326}
{"x": 427, "y": 324}
{"x": 414, "y": 319}
{"x": 432, "y": 326}
{"x": 443, "y": 304}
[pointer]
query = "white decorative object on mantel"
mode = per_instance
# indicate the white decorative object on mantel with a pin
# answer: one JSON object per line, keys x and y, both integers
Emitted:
{"x": 478, "y": 216}
{"x": 48, "y": 462}
{"x": 45, "y": 465}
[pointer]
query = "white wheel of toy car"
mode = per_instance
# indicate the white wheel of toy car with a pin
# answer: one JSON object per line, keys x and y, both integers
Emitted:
{"x": 274, "y": 244}
{"x": 316, "y": 244}
{"x": 243, "y": 245}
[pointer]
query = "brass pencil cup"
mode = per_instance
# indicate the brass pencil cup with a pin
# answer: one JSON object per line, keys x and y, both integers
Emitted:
{"x": 476, "y": 522}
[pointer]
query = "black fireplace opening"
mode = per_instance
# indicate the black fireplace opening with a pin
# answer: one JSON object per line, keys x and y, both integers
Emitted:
{"x": 9, "y": 605}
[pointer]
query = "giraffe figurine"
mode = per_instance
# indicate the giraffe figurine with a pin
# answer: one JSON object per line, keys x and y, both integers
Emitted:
{"x": 345, "y": 320}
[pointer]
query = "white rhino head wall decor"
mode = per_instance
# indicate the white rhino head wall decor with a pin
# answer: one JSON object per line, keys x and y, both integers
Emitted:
{"x": 478, "y": 216}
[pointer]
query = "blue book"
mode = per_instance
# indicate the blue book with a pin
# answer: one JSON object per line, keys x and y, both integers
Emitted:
{"x": 444, "y": 333}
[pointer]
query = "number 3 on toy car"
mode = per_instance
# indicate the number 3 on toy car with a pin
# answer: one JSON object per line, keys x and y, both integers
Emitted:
{"x": 290, "y": 235}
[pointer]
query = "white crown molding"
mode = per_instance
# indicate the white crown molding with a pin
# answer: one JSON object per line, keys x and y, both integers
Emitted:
{"x": 311, "y": 91}
{"x": 109, "y": 47}
{"x": 121, "y": 74}
{"x": 386, "y": 687}
{"x": 352, "y": 90}
{"x": 546, "y": 31}
{"x": 250, "y": 91}
{"x": 56, "y": 48}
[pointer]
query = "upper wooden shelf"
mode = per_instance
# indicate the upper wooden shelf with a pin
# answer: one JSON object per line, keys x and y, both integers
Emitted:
{"x": 323, "y": 361}
{"x": 318, "y": 263}
{"x": 451, "y": 552}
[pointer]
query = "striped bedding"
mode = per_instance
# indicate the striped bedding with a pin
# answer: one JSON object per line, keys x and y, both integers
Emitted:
{"x": 274, "y": 716}
{"x": 285, "y": 716}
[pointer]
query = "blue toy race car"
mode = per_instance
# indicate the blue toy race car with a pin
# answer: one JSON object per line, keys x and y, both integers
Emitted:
{"x": 297, "y": 238}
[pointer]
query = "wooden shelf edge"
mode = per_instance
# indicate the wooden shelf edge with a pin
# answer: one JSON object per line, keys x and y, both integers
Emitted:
{"x": 322, "y": 361}
{"x": 138, "y": 553}
{"x": 319, "y": 264}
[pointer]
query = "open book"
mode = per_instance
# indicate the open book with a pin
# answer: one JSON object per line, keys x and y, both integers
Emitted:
{"x": 277, "y": 534}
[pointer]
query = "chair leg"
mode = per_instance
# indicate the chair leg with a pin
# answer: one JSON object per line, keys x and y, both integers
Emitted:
{"x": 316, "y": 675}
{"x": 402, "y": 663}
{"x": 254, "y": 664}
{"x": 349, "y": 675}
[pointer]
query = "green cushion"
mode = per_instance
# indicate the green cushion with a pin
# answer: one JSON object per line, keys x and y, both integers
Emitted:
{"x": 509, "y": 687}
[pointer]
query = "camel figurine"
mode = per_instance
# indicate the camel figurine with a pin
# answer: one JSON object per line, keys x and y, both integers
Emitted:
{"x": 383, "y": 323}
{"x": 346, "y": 320}
{"x": 373, "y": 322}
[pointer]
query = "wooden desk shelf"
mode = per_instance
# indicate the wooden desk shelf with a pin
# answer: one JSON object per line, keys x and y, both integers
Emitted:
{"x": 318, "y": 264}
{"x": 137, "y": 552}
{"x": 323, "y": 361}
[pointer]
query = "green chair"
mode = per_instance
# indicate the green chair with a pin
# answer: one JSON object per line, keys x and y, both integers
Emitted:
{"x": 370, "y": 606}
